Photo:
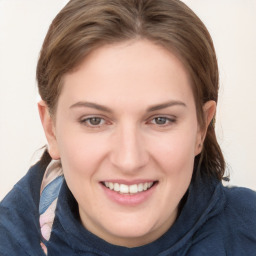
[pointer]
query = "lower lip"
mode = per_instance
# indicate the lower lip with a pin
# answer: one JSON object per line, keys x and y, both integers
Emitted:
{"x": 129, "y": 199}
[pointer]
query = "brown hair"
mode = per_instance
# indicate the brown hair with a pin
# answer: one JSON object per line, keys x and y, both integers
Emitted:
{"x": 83, "y": 25}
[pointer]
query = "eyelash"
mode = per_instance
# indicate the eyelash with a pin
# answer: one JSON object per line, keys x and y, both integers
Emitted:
{"x": 87, "y": 121}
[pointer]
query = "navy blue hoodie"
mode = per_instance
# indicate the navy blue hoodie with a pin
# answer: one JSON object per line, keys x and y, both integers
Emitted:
{"x": 214, "y": 221}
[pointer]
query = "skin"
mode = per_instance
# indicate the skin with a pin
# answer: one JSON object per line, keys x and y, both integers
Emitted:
{"x": 132, "y": 81}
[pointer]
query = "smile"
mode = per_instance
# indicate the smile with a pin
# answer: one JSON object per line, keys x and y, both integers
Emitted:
{"x": 128, "y": 189}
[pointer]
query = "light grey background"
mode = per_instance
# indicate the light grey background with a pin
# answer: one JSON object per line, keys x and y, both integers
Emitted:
{"x": 23, "y": 25}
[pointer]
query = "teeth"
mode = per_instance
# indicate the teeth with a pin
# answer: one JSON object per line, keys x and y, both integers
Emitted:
{"x": 116, "y": 187}
{"x": 140, "y": 187}
{"x": 133, "y": 189}
{"x": 126, "y": 189}
{"x": 111, "y": 185}
{"x": 150, "y": 184}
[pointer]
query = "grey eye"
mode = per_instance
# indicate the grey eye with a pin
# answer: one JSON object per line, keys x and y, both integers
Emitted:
{"x": 94, "y": 120}
{"x": 160, "y": 120}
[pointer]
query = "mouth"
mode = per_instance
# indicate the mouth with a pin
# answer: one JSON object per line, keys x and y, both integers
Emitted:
{"x": 129, "y": 189}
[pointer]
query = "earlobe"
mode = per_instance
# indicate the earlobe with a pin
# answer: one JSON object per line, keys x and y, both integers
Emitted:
{"x": 49, "y": 129}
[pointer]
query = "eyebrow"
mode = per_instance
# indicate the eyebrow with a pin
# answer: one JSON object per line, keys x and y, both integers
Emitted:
{"x": 166, "y": 105}
{"x": 106, "y": 109}
{"x": 91, "y": 105}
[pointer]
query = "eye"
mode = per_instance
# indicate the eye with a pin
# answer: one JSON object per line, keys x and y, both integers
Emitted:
{"x": 162, "y": 121}
{"x": 93, "y": 121}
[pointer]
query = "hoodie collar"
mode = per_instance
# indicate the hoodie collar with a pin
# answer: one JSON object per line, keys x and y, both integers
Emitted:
{"x": 202, "y": 203}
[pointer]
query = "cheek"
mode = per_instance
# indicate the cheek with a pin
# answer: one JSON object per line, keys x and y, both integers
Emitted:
{"x": 81, "y": 158}
{"x": 174, "y": 157}
{"x": 80, "y": 153}
{"x": 176, "y": 151}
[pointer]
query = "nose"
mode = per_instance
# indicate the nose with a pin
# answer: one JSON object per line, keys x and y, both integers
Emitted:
{"x": 129, "y": 153}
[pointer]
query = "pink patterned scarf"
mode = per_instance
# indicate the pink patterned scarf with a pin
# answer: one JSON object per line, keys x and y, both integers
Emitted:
{"x": 50, "y": 188}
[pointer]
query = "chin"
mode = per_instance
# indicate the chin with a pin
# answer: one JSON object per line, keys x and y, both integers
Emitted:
{"x": 131, "y": 233}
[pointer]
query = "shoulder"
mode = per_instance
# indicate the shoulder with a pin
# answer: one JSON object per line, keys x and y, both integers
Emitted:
{"x": 240, "y": 209}
{"x": 19, "y": 218}
{"x": 241, "y": 201}
{"x": 27, "y": 189}
{"x": 232, "y": 229}
{"x": 239, "y": 219}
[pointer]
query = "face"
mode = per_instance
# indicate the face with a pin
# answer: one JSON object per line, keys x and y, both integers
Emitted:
{"x": 126, "y": 132}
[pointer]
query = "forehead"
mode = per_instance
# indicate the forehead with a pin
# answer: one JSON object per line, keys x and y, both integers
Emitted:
{"x": 136, "y": 70}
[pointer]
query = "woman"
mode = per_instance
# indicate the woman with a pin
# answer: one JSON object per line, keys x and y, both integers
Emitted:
{"x": 132, "y": 167}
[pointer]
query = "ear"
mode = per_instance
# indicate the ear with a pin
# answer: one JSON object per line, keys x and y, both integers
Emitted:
{"x": 49, "y": 129}
{"x": 209, "y": 110}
